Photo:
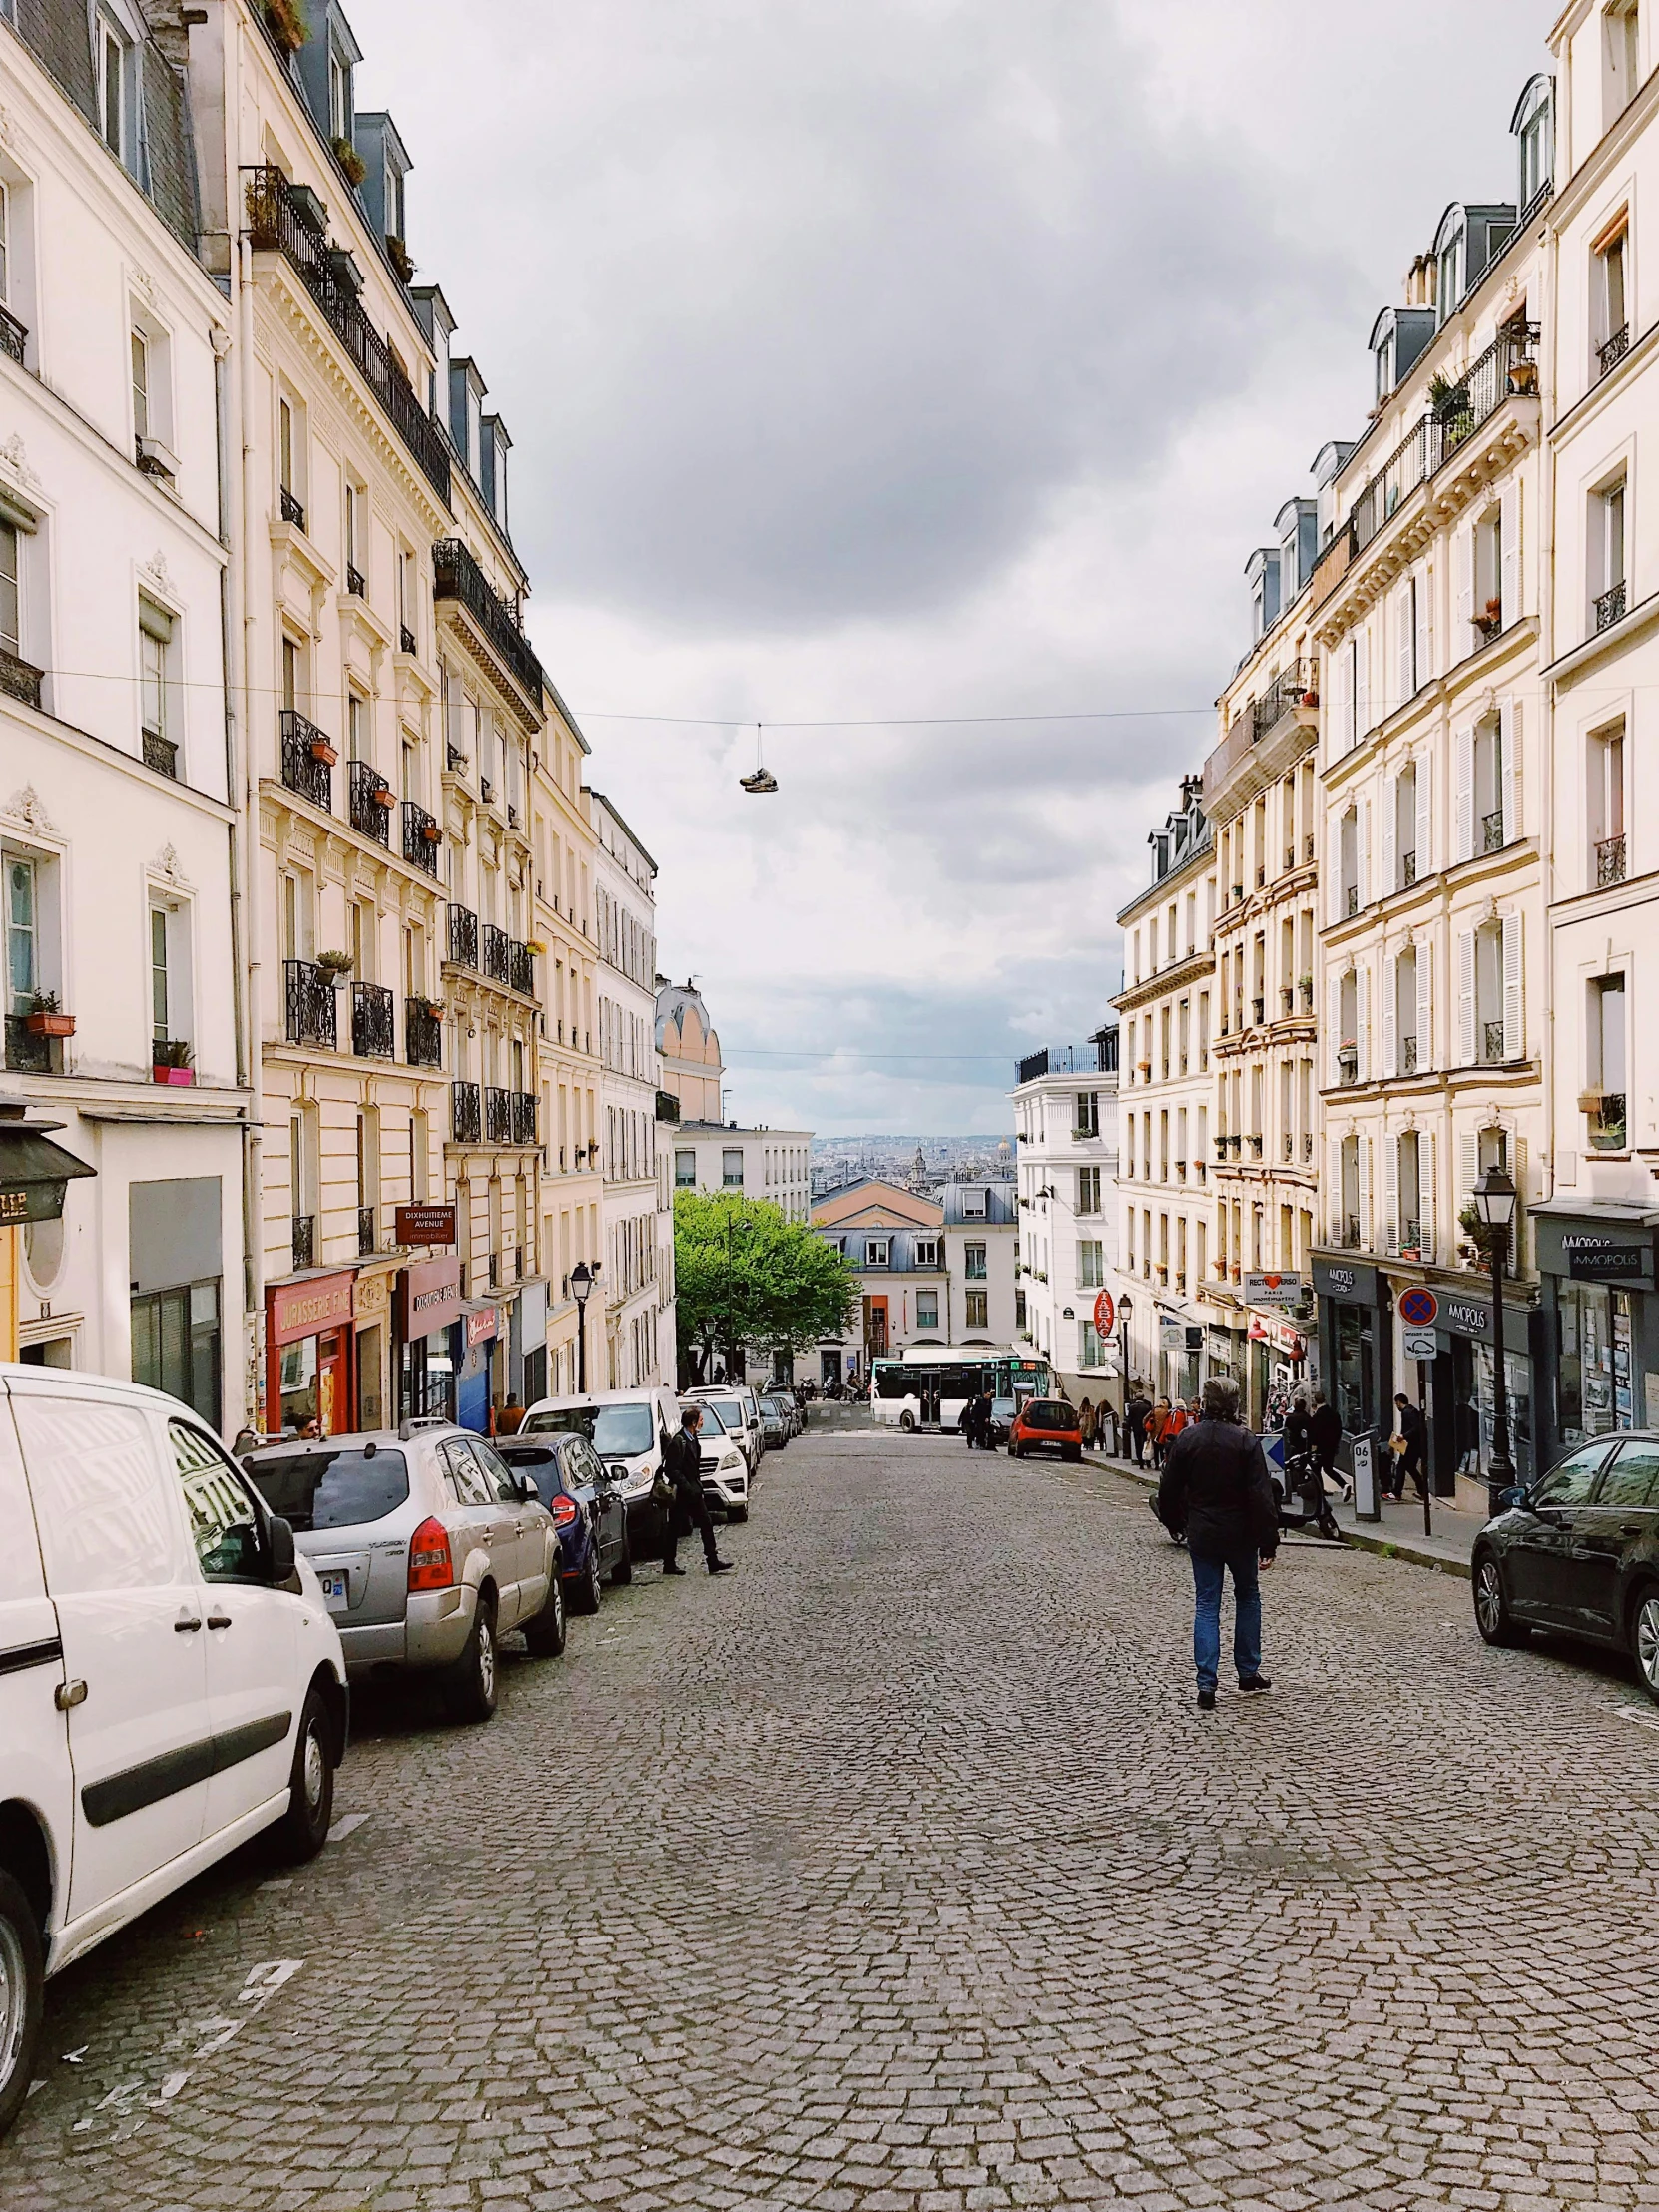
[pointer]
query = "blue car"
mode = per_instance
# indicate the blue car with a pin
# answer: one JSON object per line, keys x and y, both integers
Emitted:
{"x": 587, "y": 1511}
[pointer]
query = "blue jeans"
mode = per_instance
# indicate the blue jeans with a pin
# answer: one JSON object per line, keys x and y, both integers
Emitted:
{"x": 1207, "y": 1576}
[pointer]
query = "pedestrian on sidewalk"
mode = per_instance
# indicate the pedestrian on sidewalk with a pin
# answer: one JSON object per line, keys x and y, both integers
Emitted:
{"x": 1136, "y": 1414}
{"x": 1410, "y": 1442}
{"x": 1215, "y": 1491}
{"x": 1085, "y": 1424}
{"x": 682, "y": 1465}
{"x": 1157, "y": 1430}
{"x": 1325, "y": 1432}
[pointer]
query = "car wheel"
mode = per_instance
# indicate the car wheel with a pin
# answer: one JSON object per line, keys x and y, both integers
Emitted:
{"x": 303, "y": 1829}
{"x": 1493, "y": 1616}
{"x": 906, "y": 1422}
{"x": 22, "y": 1978}
{"x": 584, "y": 1598}
{"x": 1072, "y": 1452}
{"x": 737, "y": 1512}
{"x": 1644, "y": 1639}
{"x": 545, "y": 1635}
{"x": 475, "y": 1685}
{"x": 622, "y": 1572}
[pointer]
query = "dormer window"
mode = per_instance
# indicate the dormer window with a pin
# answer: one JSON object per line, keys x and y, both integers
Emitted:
{"x": 1384, "y": 360}
{"x": 1535, "y": 128}
{"x": 1450, "y": 262}
{"x": 116, "y": 88}
{"x": 340, "y": 94}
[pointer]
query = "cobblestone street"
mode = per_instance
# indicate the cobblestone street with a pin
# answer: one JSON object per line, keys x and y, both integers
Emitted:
{"x": 896, "y": 1872}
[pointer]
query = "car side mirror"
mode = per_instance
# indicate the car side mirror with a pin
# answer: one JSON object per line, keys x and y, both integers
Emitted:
{"x": 281, "y": 1537}
{"x": 1508, "y": 1499}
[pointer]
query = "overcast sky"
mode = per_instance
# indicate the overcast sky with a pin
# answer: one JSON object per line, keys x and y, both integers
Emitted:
{"x": 871, "y": 360}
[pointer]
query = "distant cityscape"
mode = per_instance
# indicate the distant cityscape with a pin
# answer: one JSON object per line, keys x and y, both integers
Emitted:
{"x": 910, "y": 1159}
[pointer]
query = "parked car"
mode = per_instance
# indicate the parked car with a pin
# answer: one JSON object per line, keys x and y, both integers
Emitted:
{"x": 775, "y": 1425}
{"x": 1003, "y": 1411}
{"x": 726, "y": 1410}
{"x": 1046, "y": 1425}
{"x": 755, "y": 1446}
{"x": 428, "y": 1547}
{"x": 628, "y": 1429}
{"x": 171, "y": 1683}
{"x": 725, "y": 1463}
{"x": 1578, "y": 1553}
{"x": 585, "y": 1496}
{"x": 789, "y": 1396}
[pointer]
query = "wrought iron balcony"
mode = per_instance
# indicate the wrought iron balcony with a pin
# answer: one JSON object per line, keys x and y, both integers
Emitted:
{"x": 1290, "y": 1145}
{"x": 28, "y": 1053}
{"x": 20, "y": 679}
{"x": 1612, "y": 351}
{"x": 1492, "y": 830}
{"x": 1408, "y": 1055}
{"x": 1408, "y": 870}
{"x": 1348, "y": 1064}
{"x": 521, "y": 968}
{"x": 373, "y": 1027}
{"x": 278, "y": 218}
{"x": 303, "y": 1244}
{"x": 1348, "y": 1236}
{"x": 365, "y": 1231}
{"x": 1258, "y": 1011}
{"x": 1287, "y": 1000}
{"x": 1254, "y": 1147}
{"x": 310, "y": 1006}
{"x": 356, "y": 582}
{"x": 302, "y": 771}
{"x": 161, "y": 754}
{"x": 456, "y": 575}
{"x": 1350, "y": 899}
{"x": 372, "y": 803}
{"x": 1609, "y": 861}
{"x": 1608, "y": 1127}
{"x": 422, "y": 837}
{"x": 1306, "y": 990}
{"x": 524, "y": 1117}
{"x": 422, "y": 1034}
{"x": 668, "y": 1106}
{"x": 1410, "y": 1239}
{"x": 1306, "y": 1144}
{"x": 463, "y": 937}
{"x": 292, "y": 509}
{"x": 1611, "y": 607}
{"x": 498, "y": 1114}
{"x": 1492, "y": 1042}
{"x": 406, "y": 639}
{"x": 14, "y": 338}
{"x": 466, "y": 1113}
{"x": 497, "y": 953}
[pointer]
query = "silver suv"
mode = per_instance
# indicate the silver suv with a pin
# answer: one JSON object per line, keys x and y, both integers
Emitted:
{"x": 428, "y": 1547}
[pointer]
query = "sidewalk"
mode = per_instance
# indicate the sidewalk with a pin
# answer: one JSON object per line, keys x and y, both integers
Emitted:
{"x": 1397, "y": 1535}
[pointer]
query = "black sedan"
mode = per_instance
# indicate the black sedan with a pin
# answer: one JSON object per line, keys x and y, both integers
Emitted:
{"x": 587, "y": 1511}
{"x": 1579, "y": 1554}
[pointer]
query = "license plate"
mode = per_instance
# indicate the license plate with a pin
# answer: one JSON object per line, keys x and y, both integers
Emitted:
{"x": 334, "y": 1588}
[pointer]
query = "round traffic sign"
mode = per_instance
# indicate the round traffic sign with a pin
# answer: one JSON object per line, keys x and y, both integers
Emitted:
{"x": 1418, "y": 1307}
{"x": 1105, "y": 1313}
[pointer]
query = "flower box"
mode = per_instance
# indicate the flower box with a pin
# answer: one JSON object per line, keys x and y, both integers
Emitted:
{"x": 322, "y": 751}
{"x": 172, "y": 1075}
{"x": 431, "y": 833}
{"x": 383, "y": 796}
{"x": 285, "y": 24}
{"x": 49, "y": 1023}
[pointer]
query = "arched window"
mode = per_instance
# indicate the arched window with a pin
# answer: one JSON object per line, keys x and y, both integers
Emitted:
{"x": 1533, "y": 126}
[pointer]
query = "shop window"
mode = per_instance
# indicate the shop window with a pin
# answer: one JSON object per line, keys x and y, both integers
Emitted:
{"x": 176, "y": 1345}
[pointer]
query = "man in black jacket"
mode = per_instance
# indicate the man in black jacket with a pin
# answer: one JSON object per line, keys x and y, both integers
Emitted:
{"x": 1135, "y": 1416}
{"x": 682, "y": 1465}
{"x": 1216, "y": 1487}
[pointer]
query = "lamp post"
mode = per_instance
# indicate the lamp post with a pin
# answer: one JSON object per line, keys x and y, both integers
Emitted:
{"x": 1126, "y": 1306}
{"x": 1494, "y": 1202}
{"x": 581, "y": 1285}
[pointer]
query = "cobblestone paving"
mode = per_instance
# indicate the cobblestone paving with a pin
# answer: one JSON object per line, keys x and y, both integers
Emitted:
{"x": 897, "y": 1873}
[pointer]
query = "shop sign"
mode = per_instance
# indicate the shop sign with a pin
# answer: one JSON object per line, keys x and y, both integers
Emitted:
{"x": 1105, "y": 1314}
{"x": 1172, "y": 1332}
{"x": 296, "y": 1310}
{"x": 423, "y": 1224}
{"x": 481, "y": 1325}
{"x": 1351, "y": 1283}
{"x": 1466, "y": 1316}
{"x": 428, "y": 1297}
{"x": 1272, "y": 1289}
{"x": 1593, "y": 1257}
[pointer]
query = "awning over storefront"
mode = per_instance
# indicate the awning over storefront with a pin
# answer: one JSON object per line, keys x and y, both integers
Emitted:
{"x": 1597, "y": 1241}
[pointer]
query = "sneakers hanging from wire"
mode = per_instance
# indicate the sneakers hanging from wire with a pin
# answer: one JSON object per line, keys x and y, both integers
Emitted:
{"x": 762, "y": 778}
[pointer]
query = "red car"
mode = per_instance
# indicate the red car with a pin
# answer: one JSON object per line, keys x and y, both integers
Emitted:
{"x": 1046, "y": 1425}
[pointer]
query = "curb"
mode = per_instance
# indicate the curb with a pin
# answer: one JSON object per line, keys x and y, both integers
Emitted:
{"x": 1383, "y": 1547}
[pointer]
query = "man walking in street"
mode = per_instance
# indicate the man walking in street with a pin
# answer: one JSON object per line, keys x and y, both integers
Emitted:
{"x": 1215, "y": 1491}
{"x": 682, "y": 1465}
{"x": 1412, "y": 1438}
{"x": 1324, "y": 1433}
{"x": 1135, "y": 1415}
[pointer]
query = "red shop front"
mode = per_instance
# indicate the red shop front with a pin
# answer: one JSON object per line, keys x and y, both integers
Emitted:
{"x": 310, "y": 1354}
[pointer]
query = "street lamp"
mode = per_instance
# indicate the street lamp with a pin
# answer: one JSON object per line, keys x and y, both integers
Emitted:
{"x": 1494, "y": 1202}
{"x": 1126, "y": 1306}
{"x": 581, "y": 1284}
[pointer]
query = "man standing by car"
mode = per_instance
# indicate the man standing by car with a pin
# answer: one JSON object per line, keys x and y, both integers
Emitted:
{"x": 1215, "y": 1489}
{"x": 682, "y": 1465}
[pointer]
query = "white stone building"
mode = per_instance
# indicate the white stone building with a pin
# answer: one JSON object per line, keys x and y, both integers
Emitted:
{"x": 1066, "y": 1133}
{"x": 773, "y": 1164}
{"x": 122, "y": 850}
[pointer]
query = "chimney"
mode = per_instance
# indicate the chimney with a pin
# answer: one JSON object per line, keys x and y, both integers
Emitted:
{"x": 1420, "y": 281}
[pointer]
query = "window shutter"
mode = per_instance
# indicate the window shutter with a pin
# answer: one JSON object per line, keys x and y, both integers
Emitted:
{"x": 1469, "y": 1166}
{"x": 1425, "y": 1005}
{"x": 1334, "y": 871}
{"x": 1426, "y": 820}
{"x": 1426, "y": 1216}
{"x": 1463, "y": 760}
{"x": 1364, "y": 1193}
{"x": 1362, "y": 683}
{"x": 1466, "y": 998}
{"x": 1362, "y": 848}
{"x": 1361, "y": 1023}
{"x": 1517, "y": 1167}
{"x": 1342, "y": 702}
{"x": 1406, "y": 621}
{"x": 1510, "y": 740}
{"x": 1391, "y": 1193}
{"x": 1333, "y": 1030}
{"x": 1510, "y": 527}
{"x": 1334, "y": 1187}
{"x": 1423, "y": 608}
{"x": 1515, "y": 1009}
{"x": 1463, "y": 581}
{"x": 1391, "y": 817}
{"x": 1391, "y": 1022}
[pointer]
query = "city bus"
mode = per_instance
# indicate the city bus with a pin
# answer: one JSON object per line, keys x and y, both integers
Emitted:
{"x": 928, "y": 1387}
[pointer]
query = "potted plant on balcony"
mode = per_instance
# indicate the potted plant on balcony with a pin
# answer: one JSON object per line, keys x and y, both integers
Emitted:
{"x": 1311, "y": 697}
{"x": 1523, "y": 379}
{"x": 337, "y": 966}
{"x": 433, "y": 1008}
{"x": 170, "y": 1061}
{"x": 431, "y": 833}
{"x": 285, "y": 22}
{"x": 1348, "y": 1056}
{"x": 351, "y": 161}
{"x": 322, "y": 751}
{"x": 1477, "y": 1246}
{"x": 1489, "y": 621}
{"x": 400, "y": 258}
{"x": 45, "y": 1019}
{"x": 382, "y": 795}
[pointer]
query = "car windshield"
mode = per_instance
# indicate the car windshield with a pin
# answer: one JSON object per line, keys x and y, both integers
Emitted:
{"x": 1049, "y": 1412}
{"x": 773, "y": 1406}
{"x": 621, "y": 1430}
{"x": 331, "y": 1489}
{"x": 726, "y": 1410}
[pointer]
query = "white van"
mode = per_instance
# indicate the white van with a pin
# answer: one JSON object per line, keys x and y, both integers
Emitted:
{"x": 628, "y": 1428}
{"x": 171, "y": 1682}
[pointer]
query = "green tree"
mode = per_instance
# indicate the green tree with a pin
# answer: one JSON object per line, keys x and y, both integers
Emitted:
{"x": 744, "y": 1274}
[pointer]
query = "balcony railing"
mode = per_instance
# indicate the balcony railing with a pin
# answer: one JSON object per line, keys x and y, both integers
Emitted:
{"x": 668, "y": 1106}
{"x": 275, "y": 219}
{"x": 406, "y": 639}
{"x": 521, "y": 968}
{"x": 303, "y": 1240}
{"x": 20, "y": 679}
{"x": 1287, "y": 1000}
{"x": 310, "y": 1005}
{"x": 1307, "y": 993}
{"x": 1492, "y": 1042}
{"x": 14, "y": 338}
{"x": 1306, "y": 1144}
{"x": 28, "y": 1053}
{"x": 374, "y": 1026}
{"x": 1608, "y": 1128}
{"x": 1492, "y": 830}
{"x": 422, "y": 1034}
{"x": 524, "y": 1117}
{"x": 1410, "y": 1237}
{"x": 1281, "y": 696}
{"x": 498, "y": 1114}
{"x": 1611, "y": 607}
{"x": 372, "y": 802}
{"x": 1609, "y": 861}
{"x": 422, "y": 837}
{"x": 498, "y": 965}
{"x": 302, "y": 771}
{"x": 1258, "y": 1011}
{"x": 1612, "y": 351}
{"x": 466, "y": 1113}
{"x": 456, "y": 575}
{"x": 1408, "y": 1055}
{"x": 1408, "y": 870}
{"x": 1254, "y": 1147}
{"x": 1349, "y": 1235}
{"x": 1289, "y": 1145}
{"x": 1350, "y": 899}
{"x": 365, "y": 1231}
{"x": 161, "y": 754}
{"x": 463, "y": 936}
{"x": 1348, "y": 1064}
{"x": 291, "y": 506}
{"x": 356, "y": 582}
